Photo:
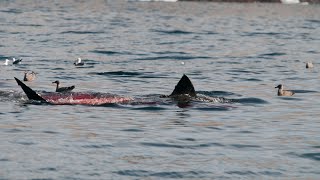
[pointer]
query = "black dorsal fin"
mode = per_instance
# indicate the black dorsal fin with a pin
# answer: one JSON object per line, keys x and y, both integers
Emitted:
{"x": 184, "y": 86}
{"x": 31, "y": 94}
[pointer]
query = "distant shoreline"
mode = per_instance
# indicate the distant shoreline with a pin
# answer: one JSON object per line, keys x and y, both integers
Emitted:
{"x": 262, "y": 1}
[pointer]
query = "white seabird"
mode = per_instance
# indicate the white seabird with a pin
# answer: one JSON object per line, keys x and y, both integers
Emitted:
{"x": 6, "y": 63}
{"x": 78, "y": 62}
{"x": 29, "y": 76}
{"x": 309, "y": 65}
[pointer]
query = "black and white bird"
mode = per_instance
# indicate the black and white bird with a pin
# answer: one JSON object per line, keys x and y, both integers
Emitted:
{"x": 282, "y": 92}
{"x": 78, "y": 62}
{"x": 16, "y": 61}
{"x": 63, "y": 89}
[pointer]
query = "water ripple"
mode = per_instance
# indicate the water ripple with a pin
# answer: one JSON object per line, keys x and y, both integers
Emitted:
{"x": 242, "y": 173}
{"x": 274, "y": 54}
{"x": 48, "y": 169}
{"x": 172, "y": 32}
{"x": 313, "y": 156}
{"x": 117, "y": 73}
{"x": 250, "y": 100}
{"x": 112, "y": 52}
{"x": 149, "y": 108}
{"x": 82, "y": 32}
{"x": 172, "y": 57}
{"x": 218, "y": 93}
{"x": 262, "y": 34}
{"x": 50, "y": 132}
{"x": 97, "y": 146}
{"x": 133, "y": 130}
{"x": 172, "y": 174}
{"x": 240, "y": 146}
{"x": 14, "y": 11}
{"x": 181, "y": 146}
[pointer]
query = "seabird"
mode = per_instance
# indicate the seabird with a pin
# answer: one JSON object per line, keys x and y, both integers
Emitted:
{"x": 309, "y": 65}
{"x": 29, "y": 76}
{"x": 16, "y": 61}
{"x": 6, "y": 62}
{"x": 78, "y": 62}
{"x": 63, "y": 89}
{"x": 282, "y": 92}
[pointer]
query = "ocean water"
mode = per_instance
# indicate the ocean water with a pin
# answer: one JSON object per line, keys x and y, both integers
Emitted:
{"x": 141, "y": 49}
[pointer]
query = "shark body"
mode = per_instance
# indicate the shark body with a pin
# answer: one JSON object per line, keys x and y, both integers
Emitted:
{"x": 183, "y": 92}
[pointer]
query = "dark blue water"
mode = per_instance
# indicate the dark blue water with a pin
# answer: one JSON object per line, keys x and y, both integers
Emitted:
{"x": 141, "y": 49}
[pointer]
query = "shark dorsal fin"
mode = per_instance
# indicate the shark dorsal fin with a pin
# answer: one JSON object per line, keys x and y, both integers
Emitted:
{"x": 184, "y": 86}
{"x": 31, "y": 94}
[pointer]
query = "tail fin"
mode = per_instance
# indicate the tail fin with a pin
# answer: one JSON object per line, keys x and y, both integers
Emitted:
{"x": 184, "y": 86}
{"x": 31, "y": 94}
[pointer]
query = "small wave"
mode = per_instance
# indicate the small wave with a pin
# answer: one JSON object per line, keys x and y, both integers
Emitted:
{"x": 181, "y": 146}
{"x": 173, "y": 58}
{"x": 25, "y": 143}
{"x": 117, "y": 73}
{"x": 112, "y": 105}
{"x": 262, "y": 34}
{"x": 11, "y": 96}
{"x": 14, "y": 130}
{"x": 82, "y": 32}
{"x": 253, "y": 79}
{"x": 250, "y": 101}
{"x": 305, "y": 91}
{"x": 211, "y": 99}
{"x": 241, "y": 172}
{"x": 30, "y": 25}
{"x": 151, "y": 76}
{"x": 111, "y": 52}
{"x": 172, "y": 32}
{"x": 270, "y": 173}
{"x": 287, "y": 98}
{"x": 245, "y": 132}
{"x": 97, "y": 146}
{"x": 15, "y": 11}
{"x": 272, "y": 54}
{"x": 48, "y": 169}
{"x": 215, "y": 108}
{"x": 170, "y": 52}
{"x": 172, "y": 174}
{"x": 4, "y": 159}
{"x": 50, "y": 132}
{"x": 149, "y": 108}
{"x": 133, "y": 130}
{"x": 313, "y": 21}
{"x": 174, "y": 42}
{"x": 240, "y": 146}
{"x": 313, "y": 156}
{"x": 244, "y": 71}
{"x": 218, "y": 93}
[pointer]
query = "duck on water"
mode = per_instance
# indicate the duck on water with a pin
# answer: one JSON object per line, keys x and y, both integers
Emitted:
{"x": 282, "y": 92}
{"x": 63, "y": 89}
